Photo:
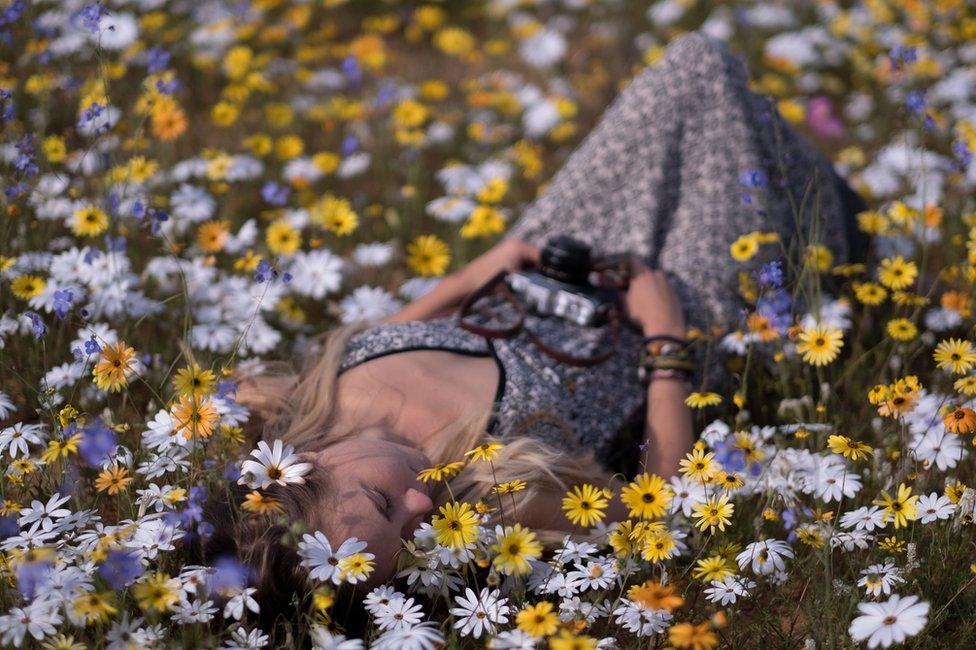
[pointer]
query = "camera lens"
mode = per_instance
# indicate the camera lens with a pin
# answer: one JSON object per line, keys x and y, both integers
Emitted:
{"x": 565, "y": 259}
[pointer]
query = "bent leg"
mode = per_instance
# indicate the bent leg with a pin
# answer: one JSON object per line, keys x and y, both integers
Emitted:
{"x": 660, "y": 175}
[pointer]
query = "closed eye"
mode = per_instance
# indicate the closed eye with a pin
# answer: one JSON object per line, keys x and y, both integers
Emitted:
{"x": 382, "y": 501}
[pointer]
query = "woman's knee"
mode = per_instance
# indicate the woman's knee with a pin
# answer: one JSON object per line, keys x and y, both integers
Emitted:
{"x": 694, "y": 56}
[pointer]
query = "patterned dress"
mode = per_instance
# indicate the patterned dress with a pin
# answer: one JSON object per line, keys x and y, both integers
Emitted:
{"x": 662, "y": 174}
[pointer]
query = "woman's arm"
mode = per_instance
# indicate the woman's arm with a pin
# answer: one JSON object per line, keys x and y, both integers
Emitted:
{"x": 654, "y": 306}
{"x": 509, "y": 254}
{"x": 437, "y": 302}
{"x": 668, "y": 435}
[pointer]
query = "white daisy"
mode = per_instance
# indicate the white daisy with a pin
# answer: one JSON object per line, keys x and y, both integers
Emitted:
{"x": 934, "y": 506}
{"x": 317, "y": 555}
{"x": 421, "y": 637}
{"x": 373, "y": 254}
{"x": 399, "y": 614}
{"x": 16, "y": 438}
{"x": 377, "y": 599}
{"x": 728, "y": 590}
{"x": 243, "y": 639}
{"x": 239, "y": 602}
{"x": 879, "y": 578}
{"x": 513, "y": 640}
{"x": 367, "y": 303}
{"x": 885, "y": 624}
{"x": 323, "y": 639}
{"x": 273, "y": 465}
{"x": 44, "y": 513}
{"x": 938, "y": 447}
{"x": 316, "y": 273}
{"x": 640, "y": 619}
{"x": 765, "y": 557}
{"x": 543, "y": 48}
{"x": 479, "y": 613}
{"x": 6, "y": 406}
{"x": 865, "y": 518}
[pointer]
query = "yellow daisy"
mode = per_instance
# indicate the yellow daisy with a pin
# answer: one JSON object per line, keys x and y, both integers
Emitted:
{"x": 819, "y": 345}
{"x": 897, "y": 272}
{"x": 714, "y": 513}
{"x": 955, "y": 355}
{"x": 584, "y": 505}
{"x": 26, "y": 287}
{"x": 515, "y": 547}
{"x": 648, "y": 496}
{"x": 428, "y": 255}
{"x": 89, "y": 221}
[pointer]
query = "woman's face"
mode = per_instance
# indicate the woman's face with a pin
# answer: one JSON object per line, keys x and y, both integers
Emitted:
{"x": 377, "y": 497}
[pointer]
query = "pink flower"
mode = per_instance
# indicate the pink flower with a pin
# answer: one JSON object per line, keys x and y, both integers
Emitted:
{"x": 821, "y": 118}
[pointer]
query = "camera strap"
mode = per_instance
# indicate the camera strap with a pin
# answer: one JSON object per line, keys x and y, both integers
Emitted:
{"x": 497, "y": 286}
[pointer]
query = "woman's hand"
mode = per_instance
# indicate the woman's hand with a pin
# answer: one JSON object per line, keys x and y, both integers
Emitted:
{"x": 651, "y": 302}
{"x": 510, "y": 254}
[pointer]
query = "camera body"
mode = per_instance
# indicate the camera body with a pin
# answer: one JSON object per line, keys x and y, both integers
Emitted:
{"x": 561, "y": 285}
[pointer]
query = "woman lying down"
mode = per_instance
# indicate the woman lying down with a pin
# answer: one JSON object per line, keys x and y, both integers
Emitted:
{"x": 554, "y": 378}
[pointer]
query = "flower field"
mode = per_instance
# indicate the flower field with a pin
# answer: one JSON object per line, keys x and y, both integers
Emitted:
{"x": 193, "y": 188}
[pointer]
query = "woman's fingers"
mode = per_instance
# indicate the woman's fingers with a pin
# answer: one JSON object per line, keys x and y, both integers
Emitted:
{"x": 523, "y": 251}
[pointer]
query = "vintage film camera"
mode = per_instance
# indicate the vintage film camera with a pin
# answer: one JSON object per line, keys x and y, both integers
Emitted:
{"x": 561, "y": 286}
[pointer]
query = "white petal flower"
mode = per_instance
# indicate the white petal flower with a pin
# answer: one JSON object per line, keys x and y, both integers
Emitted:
{"x": 765, "y": 557}
{"x": 317, "y": 555}
{"x": 273, "y": 465}
{"x": 885, "y": 624}
{"x": 479, "y": 613}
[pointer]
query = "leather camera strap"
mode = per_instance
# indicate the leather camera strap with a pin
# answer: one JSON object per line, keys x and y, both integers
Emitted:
{"x": 496, "y": 285}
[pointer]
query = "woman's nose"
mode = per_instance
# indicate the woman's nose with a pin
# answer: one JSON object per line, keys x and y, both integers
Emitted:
{"x": 416, "y": 502}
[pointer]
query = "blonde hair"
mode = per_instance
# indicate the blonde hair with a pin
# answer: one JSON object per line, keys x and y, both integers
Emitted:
{"x": 304, "y": 411}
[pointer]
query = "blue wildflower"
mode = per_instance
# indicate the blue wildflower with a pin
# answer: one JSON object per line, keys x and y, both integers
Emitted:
{"x": 32, "y": 577}
{"x": 915, "y": 102}
{"x": 350, "y": 68}
{"x": 756, "y": 178}
{"x": 228, "y": 575}
{"x": 775, "y": 307}
{"x": 265, "y": 272}
{"x": 901, "y": 55}
{"x": 771, "y": 275}
{"x": 91, "y": 15}
{"x": 275, "y": 193}
{"x": 226, "y": 388}
{"x": 8, "y": 526}
{"x": 63, "y": 300}
{"x": 205, "y": 529}
{"x": 97, "y": 443}
{"x": 232, "y": 472}
{"x": 37, "y": 324}
{"x": 92, "y": 346}
{"x": 157, "y": 59}
{"x": 12, "y": 12}
{"x": 120, "y": 569}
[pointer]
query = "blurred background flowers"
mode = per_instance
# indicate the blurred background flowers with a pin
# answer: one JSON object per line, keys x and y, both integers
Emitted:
{"x": 191, "y": 188}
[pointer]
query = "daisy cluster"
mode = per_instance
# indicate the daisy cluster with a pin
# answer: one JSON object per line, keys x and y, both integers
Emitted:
{"x": 191, "y": 189}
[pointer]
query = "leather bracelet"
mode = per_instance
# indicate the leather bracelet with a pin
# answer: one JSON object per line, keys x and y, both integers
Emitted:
{"x": 653, "y": 338}
{"x": 667, "y": 363}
